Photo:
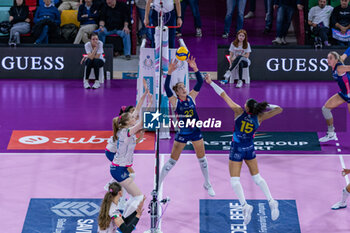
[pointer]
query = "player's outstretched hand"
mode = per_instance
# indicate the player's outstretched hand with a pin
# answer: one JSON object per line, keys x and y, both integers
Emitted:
{"x": 192, "y": 63}
{"x": 207, "y": 78}
{"x": 172, "y": 66}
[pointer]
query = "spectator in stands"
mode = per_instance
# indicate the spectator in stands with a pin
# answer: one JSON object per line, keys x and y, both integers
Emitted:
{"x": 88, "y": 18}
{"x": 318, "y": 19}
{"x": 55, "y": 3}
{"x": 20, "y": 22}
{"x": 230, "y": 5}
{"x": 144, "y": 31}
{"x": 47, "y": 20}
{"x": 340, "y": 21}
{"x": 252, "y": 7}
{"x": 239, "y": 56}
{"x": 268, "y": 16}
{"x": 114, "y": 19}
{"x": 70, "y": 5}
{"x": 197, "y": 18}
{"x": 94, "y": 59}
{"x": 172, "y": 17}
{"x": 285, "y": 11}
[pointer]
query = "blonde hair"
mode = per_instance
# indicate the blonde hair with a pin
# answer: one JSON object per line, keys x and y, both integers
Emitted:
{"x": 103, "y": 218}
{"x": 120, "y": 122}
{"x": 336, "y": 56}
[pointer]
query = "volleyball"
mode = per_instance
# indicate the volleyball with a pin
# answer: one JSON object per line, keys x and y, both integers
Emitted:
{"x": 182, "y": 54}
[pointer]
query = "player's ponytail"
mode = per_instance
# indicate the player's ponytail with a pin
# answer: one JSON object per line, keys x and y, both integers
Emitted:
{"x": 256, "y": 108}
{"x": 118, "y": 123}
{"x": 336, "y": 56}
{"x": 103, "y": 218}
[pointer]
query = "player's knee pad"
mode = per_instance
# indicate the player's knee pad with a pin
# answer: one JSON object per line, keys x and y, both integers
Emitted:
{"x": 235, "y": 180}
{"x": 257, "y": 179}
{"x": 327, "y": 114}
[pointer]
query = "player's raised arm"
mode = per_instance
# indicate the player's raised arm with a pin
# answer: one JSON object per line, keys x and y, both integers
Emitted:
{"x": 234, "y": 106}
{"x": 171, "y": 68}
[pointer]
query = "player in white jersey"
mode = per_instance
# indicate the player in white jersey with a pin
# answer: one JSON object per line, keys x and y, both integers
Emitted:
{"x": 110, "y": 219}
{"x": 124, "y": 129}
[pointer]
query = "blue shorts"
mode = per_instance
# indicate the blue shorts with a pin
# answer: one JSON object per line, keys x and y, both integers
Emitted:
{"x": 109, "y": 155}
{"x": 238, "y": 152}
{"x": 184, "y": 138}
{"x": 344, "y": 97}
{"x": 119, "y": 173}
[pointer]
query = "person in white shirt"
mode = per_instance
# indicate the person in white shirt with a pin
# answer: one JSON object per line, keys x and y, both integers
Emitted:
{"x": 94, "y": 59}
{"x": 110, "y": 219}
{"x": 239, "y": 55}
{"x": 318, "y": 19}
{"x": 171, "y": 17}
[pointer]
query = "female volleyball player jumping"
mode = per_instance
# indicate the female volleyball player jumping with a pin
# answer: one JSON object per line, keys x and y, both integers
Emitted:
{"x": 340, "y": 73}
{"x": 247, "y": 121}
{"x": 110, "y": 220}
{"x": 124, "y": 130}
{"x": 185, "y": 108}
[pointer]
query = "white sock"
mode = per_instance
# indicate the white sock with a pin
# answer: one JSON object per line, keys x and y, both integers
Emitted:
{"x": 330, "y": 128}
{"x": 263, "y": 186}
{"x": 166, "y": 168}
{"x": 131, "y": 205}
{"x": 344, "y": 195}
{"x": 237, "y": 187}
{"x": 203, "y": 162}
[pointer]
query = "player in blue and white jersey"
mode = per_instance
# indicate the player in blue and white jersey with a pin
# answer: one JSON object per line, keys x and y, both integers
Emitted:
{"x": 340, "y": 73}
{"x": 247, "y": 121}
{"x": 185, "y": 108}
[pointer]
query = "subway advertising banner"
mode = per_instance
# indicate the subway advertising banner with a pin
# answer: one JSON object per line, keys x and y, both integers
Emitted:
{"x": 283, "y": 63}
{"x": 53, "y": 62}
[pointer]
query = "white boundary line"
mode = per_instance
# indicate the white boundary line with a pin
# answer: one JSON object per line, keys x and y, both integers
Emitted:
{"x": 183, "y": 154}
{"x": 343, "y": 166}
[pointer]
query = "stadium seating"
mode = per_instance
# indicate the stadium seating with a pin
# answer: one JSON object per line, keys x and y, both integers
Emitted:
{"x": 69, "y": 16}
{"x": 4, "y": 15}
{"x": 6, "y": 3}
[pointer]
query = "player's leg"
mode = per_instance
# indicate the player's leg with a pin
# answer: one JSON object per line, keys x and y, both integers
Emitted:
{"x": 260, "y": 181}
{"x": 342, "y": 204}
{"x": 331, "y": 103}
{"x": 135, "y": 192}
{"x": 175, "y": 155}
{"x": 203, "y": 162}
{"x": 235, "y": 166}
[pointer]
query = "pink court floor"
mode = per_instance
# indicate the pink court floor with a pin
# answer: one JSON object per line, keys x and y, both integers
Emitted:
{"x": 306, "y": 180}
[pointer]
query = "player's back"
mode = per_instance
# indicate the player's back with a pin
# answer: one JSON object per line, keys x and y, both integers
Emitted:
{"x": 245, "y": 127}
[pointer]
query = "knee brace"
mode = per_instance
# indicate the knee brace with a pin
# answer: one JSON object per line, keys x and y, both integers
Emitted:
{"x": 132, "y": 176}
{"x": 327, "y": 114}
{"x": 257, "y": 178}
{"x": 170, "y": 164}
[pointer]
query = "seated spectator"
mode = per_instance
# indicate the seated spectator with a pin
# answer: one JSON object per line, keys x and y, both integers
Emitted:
{"x": 94, "y": 59}
{"x": 88, "y": 17}
{"x": 197, "y": 18}
{"x": 20, "y": 22}
{"x": 115, "y": 18}
{"x": 47, "y": 20}
{"x": 285, "y": 11}
{"x": 239, "y": 56}
{"x": 230, "y": 6}
{"x": 69, "y": 5}
{"x": 340, "y": 21}
{"x": 144, "y": 31}
{"x": 55, "y": 3}
{"x": 171, "y": 17}
{"x": 318, "y": 19}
